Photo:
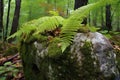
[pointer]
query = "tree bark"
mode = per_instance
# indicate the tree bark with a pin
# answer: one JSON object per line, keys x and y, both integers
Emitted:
{"x": 108, "y": 18}
{"x": 48, "y": 1}
{"x": 95, "y": 18}
{"x": 7, "y": 23}
{"x": 80, "y": 3}
{"x": 118, "y": 23}
{"x": 55, "y": 5}
{"x": 15, "y": 22}
{"x": 89, "y": 19}
{"x": 102, "y": 18}
{"x": 68, "y": 5}
{"x": 1, "y": 17}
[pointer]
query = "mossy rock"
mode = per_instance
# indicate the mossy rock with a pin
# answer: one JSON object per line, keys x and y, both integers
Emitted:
{"x": 44, "y": 60}
{"x": 115, "y": 40}
{"x": 53, "y": 49}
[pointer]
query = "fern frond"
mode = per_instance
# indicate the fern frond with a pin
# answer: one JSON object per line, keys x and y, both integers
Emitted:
{"x": 25, "y": 29}
{"x": 69, "y": 28}
{"x": 38, "y": 26}
{"x": 73, "y": 23}
{"x": 50, "y": 24}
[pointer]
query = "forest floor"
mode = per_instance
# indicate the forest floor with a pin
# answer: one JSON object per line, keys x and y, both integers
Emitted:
{"x": 11, "y": 64}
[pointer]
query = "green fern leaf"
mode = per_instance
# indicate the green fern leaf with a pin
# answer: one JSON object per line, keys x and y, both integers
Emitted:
{"x": 49, "y": 24}
{"x": 38, "y": 26}
{"x": 73, "y": 23}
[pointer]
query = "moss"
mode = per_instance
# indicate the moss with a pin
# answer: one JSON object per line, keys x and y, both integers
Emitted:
{"x": 31, "y": 70}
{"x": 65, "y": 68}
{"x": 88, "y": 70}
{"x": 27, "y": 59}
{"x": 116, "y": 42}
{"x": 53, "y": 49}
{"x": 32, "y": 38}
{"x": 83, "y": 29}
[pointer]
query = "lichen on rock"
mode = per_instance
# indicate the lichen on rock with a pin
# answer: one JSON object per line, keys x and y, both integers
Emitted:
{"x": 89, "y": 57}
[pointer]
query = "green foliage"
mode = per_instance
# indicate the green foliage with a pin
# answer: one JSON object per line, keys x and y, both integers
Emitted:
{"x": 8, "y": 67}
{"x": 69, "y": 28}
{"x": 11, "y": 51}
{"x": 110, "y": 34}
{"x": 54, "y": 13}
{"x": 53, "y": 48}
{"x": 116, "y": 39}
{"x": 72, "y": 24}
{"x": 93, "y": 28}
{"x": 38, "y": 26}
{"x": 88, "y": 62}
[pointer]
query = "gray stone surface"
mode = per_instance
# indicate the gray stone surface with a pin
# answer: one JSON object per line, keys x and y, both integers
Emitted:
{"x": 94, "y": 62}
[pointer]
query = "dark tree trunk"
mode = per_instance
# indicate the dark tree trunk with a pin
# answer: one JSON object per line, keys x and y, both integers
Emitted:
{"x": 55, "y": 4}
{"x": 15, "y": 22}
{"x": 89, "y": 19}
{"x": 118, "y": 24}
{"x": 30, "y": 12}
{"x": 102, "y": 17}
{"x": 68, "y": 5}
{"x": 95, "y": 18}
{"x": 7, "y": 23}
{"x": 80, "y": 3}
{"x": 108, "y": 18}
{"x": 48, "y": 1}
{"x": 1, "y": 17}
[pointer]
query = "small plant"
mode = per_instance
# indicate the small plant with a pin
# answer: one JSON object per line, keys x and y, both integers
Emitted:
{"x": 68, "y": 27}
{"x": 7, "y": 68}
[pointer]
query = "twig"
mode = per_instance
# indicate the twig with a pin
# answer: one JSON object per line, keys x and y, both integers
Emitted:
{"x": 9, "y": 59}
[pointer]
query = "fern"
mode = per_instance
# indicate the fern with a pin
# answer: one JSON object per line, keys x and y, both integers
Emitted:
{"x": 50, "y": 24}
{"x": 72, "y": 24}
{"x": 38, "y": 26}
{"x": 25, "y": 29}
{"x": 69, "y": 26}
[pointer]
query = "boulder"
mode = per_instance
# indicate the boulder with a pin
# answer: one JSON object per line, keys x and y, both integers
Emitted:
{"x": 89, "y": 57}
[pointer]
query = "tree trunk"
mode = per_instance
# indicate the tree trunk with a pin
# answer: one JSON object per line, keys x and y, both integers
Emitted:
{"x": 68, "y": 5}
{"x": 89, "y": 19}
{"x": 118, "y": 24}
{"x": 108, "y": 18}
{"x": 80, "y": 3}
{"x": 48, "y": 1}
{"x": 15, "y": 22}
{"x": 7, "y": 23}
{"x": 30, "y": 11}
{"x": 55, "y": 5}
{"x": 102, "y": 18}
{"x": 1, "y": 17}
{"x": 95, "y": 18}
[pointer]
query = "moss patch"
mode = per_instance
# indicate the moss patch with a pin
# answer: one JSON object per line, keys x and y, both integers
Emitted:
{"x": 88, "y": 69}
{"x": 53, "y": 49}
